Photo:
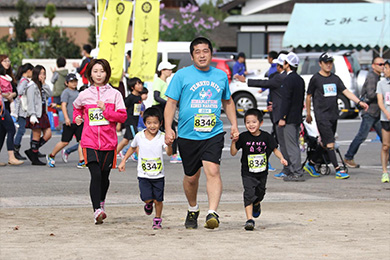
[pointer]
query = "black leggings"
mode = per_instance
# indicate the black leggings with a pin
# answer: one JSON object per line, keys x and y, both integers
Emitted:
{"x": 99, "y": 184}
{"x": 7, "y": 128}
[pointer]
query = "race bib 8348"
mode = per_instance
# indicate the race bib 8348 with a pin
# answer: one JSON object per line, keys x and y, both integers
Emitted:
{"x": 257, "y": 162}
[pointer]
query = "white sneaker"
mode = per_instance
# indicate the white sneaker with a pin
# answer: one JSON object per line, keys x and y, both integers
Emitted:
{"x": 64, "y": 156}
{"x": 99, "y": 215}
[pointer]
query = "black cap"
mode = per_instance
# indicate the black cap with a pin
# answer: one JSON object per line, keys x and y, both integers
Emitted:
{"x": 70, "y": 77}
{"x": 325, "y": 57}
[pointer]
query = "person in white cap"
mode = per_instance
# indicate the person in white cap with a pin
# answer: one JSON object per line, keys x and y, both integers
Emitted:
{"x": 160, "y": 85}
{"x": 290, "y": 118}
{"x": 324, "y": 87}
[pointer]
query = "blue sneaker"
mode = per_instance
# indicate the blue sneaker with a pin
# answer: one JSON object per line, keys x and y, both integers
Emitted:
{"x": 81, "y": 165}
{"x": 134, "y": 157}
{"x": 270, "y": 168}
{"x": 280, "y": 176}
{"x": 256, "y": 210}
{"x": 50, "y": 161}
{"x": 340, "y": 174}
{"x": 311, "y": 170}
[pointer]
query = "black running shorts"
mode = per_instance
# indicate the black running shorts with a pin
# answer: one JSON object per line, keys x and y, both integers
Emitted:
{"x": 193, "y": 152}
{"x": 105, "y": 159}
{"x": 69, "y": 131}
{"x": 385, "y": 125}
{"x": 327, "y": 129}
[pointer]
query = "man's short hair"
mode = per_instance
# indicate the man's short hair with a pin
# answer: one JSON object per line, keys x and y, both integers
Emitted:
{"x": 272, "y": 54}
{"x": 241, "y": 55}
{"x": 200, "y": 40}
{"x": 373, "y": 60}
{"x": 61, "y": 62}
{"x": 87, "y": 48}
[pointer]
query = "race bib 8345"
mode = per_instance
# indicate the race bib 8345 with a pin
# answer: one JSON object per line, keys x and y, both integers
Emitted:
{"x": 96, "y": 117}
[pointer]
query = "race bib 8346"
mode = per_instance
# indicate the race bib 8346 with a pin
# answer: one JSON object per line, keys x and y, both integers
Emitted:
{"x": 204, "y": 122}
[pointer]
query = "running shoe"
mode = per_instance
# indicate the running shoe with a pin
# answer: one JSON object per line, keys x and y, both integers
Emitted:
{"x": 385, "y": 177}
{"x": 192, "y": 219}
{"x": 157, "y": 223}
{"x": 311, "y": 170}
{"x": 50, "y": 161}
{"x": 134, "y": 157}
{"x": 293, "y": 177}
{"x": 249, "y": 225}
{"x": 279, "y": 176}
{"x": 81, "y": 165}
{"x": 148, "y": 208}
{"x": 212, "y": 221}
{"x": 341, "y": 174}
{"x": 99, "y": 215}
{"x": 351, "y": 163}
{"x": 121, "y": 155}
{"x": 64, "y": 156}
{"x": 256, "y": 210}
{"x": 175, "y": 159}
{"x": 102, "y": 205}
{"x": 270, "y": 168}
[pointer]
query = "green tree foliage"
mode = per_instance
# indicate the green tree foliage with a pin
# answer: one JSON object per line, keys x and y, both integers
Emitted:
{"x": 211, "y": 10}
{"x": 23, "y": 21}
{"x": 50, "y": 13}
{"x": 19, "y": 51}
{"x": 92, "y": 35}
{"x": 54, "y": 44}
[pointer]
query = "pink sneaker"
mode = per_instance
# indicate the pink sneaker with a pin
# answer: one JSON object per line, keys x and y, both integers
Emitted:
{"x": 157, "y": 223}
{"x": 99, "y": 215}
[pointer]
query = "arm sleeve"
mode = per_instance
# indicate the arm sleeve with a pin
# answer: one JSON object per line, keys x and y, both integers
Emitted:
{"x": 175, "y": 87}
{"x": 22, "y": 87}
{"x": 156, "y": 95}
{"x": 286, "y": 99}
{"x": 55, "y": 77}
{"x": 118, "y": 114}
{"x": 77, "y": 107}
{"x": 369, "y": 88}
{"x": 30, "y": 99}
{"x": 47, "y": 89}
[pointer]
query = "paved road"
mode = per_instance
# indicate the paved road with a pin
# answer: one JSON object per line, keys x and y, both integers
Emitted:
{"x": 65, "y": 185}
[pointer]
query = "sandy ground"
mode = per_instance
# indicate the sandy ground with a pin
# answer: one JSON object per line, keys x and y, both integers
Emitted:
{"x": 285, "y": 230}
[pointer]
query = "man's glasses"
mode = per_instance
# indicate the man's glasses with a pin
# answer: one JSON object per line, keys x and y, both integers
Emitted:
{"x": 379, "y": 64}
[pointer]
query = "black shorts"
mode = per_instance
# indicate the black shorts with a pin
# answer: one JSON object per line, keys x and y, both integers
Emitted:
{"x": 69, "y": 131}
{"x": 130, "y": 132}
{"x": 105, "y": 159}
{"x": 254, "y": 188}
{"x": 193, "y": 152}
{"x": 327, "y": 130}
{"x": 385, "y": 125}
{"x": 151, "y": 189}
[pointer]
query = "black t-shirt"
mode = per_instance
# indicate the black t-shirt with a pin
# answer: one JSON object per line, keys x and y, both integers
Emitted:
{"x": 324, "y": 91}
{"x": 255, "y": 152}
{"x": 133, "y": 108}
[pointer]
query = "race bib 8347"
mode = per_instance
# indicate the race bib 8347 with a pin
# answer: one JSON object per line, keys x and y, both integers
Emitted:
{"x": 151, "y": 166}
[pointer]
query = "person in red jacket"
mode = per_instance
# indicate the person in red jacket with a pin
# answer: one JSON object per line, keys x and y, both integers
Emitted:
{"x": 100, "y": 107}
{"x": 81, "y": 68}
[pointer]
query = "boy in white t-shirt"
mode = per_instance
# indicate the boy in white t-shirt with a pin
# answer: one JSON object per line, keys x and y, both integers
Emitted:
{"x": 151, "y": 142}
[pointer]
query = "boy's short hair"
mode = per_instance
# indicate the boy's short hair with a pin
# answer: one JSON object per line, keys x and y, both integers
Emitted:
{"x": 144, "y": 91}
{"x": 131, "y": 83}
{"x": 272, "y": 54}
{"x": 241, "y": 55}
{"x": 254, "y": 112}
{"x": 61, "y": 62}
{"x": 200, "y": 40}
{"x": 152, "y": 111}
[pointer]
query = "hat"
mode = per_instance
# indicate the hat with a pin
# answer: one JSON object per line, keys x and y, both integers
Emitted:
{"x": 325, "y": 57}
{"x": 292, "y": 59}
{"x": 165, "y": 65}
{"x": 280, "y": 60}
{"x": 70, "y": 77}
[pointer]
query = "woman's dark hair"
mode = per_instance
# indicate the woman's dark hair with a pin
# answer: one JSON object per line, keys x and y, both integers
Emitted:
{"x": 200, "y": 40}
{"x": 3, "y": 72}
{"x": 152, "y": 111}
{"x": 106, "y": 67}
{"x": 23, "y": 69}
{"x": 9, "y": 70}
{"x": 254, "y": 112}
{"x": 132, "y": 82}
{"x": 35, "y": 75}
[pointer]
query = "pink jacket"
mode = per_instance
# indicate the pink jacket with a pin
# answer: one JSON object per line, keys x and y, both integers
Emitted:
{"x": 5, "y": 83}
{"x": 99, "y": 131}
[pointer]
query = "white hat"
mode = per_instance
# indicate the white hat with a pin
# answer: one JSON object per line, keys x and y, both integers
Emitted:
{"x": 281, "y": 58}
{"x": 165, "y": 65}
{"x": 292, "y": 59}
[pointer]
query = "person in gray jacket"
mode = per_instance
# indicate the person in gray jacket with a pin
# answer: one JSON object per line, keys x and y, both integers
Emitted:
{"x": 37, "y": 120}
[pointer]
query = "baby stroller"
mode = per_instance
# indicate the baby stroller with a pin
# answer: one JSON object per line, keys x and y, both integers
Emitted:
{"x": 315, "y": 152}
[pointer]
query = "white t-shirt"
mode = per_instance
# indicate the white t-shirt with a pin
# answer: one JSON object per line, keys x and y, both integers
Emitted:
{"x": 150, "y": 157}
{"x": 383, "y": 87}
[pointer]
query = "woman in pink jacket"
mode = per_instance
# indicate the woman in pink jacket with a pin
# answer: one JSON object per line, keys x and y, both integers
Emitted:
{"x": 100, "y": 107}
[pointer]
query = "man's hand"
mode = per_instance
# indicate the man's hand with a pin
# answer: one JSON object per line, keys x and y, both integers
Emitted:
{"x": 363, "y": 105}
{"x": 67, "y": 122}
{"x": 234, "y": 133}
{"x": 282, "y": 123}
{"x": 169, "y": 136}
{"x": 240, "y": 78}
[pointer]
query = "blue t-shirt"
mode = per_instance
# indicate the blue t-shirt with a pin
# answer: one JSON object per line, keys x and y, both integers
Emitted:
{"x": 239, "y": 68}
{"x": 200, "y": 95}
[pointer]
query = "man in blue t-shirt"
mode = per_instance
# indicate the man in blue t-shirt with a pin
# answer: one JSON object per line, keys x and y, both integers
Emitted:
{"x": 201, "y": 91}
{"x": 239, "y": 67}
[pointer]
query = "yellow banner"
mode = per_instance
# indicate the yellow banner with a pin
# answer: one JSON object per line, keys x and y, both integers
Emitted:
{"x": 146, "y": 30}
{"x": 101, "y": 5}
{"x": 113, "y": 37}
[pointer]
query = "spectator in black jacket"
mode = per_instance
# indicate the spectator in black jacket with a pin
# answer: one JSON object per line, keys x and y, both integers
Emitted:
{"x": 290, "y": 118}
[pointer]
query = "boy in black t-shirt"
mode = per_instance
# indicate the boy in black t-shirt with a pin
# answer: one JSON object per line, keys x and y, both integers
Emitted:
{"x": 133, "y": 104}
{"x": 256, "y": 147}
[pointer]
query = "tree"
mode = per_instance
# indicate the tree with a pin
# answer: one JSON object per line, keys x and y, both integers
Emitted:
{"x": 186, "y": 28}
{"x": 50, "y": 13}
{"x": 23, "y": 21}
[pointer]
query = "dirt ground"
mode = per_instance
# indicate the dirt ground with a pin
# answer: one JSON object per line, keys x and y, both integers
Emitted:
{"x": 285, "y": 230}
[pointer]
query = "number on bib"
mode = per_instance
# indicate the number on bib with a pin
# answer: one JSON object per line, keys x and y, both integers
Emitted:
{"x": 96, "y": 117}
{"x": 257, "y": 162}
{"x": 151, "y": 166}
{"x": 204, "y": 122}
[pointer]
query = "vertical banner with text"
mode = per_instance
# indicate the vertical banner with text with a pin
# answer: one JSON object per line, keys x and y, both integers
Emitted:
{"x": 146, "y": 34}
{"x": 113, "y": 36}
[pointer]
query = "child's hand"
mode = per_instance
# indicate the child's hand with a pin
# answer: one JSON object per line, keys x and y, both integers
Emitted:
{"x": 122, "y": 166}
{"x": 284, "y": 162}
